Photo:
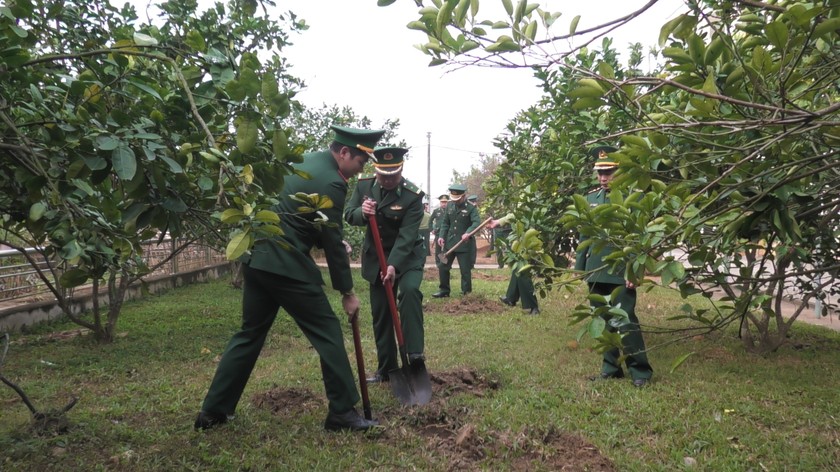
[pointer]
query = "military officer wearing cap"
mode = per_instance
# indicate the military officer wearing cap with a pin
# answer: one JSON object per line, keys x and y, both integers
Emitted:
{"x": 280, "y": 272}
{"x": 398, "y": 207}
{"x": 437, "y": 217}
{"x": 603, "y": 281}
{"x": 458, "y": 221}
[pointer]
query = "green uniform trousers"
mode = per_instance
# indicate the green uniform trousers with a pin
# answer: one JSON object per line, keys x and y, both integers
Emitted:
{"x": 465, "y": 264}
{"x": 632, "y": 341}
{"x": 521, "y": 286}
{"x": 410, "y": 306}
{"x": 263, "y": 295}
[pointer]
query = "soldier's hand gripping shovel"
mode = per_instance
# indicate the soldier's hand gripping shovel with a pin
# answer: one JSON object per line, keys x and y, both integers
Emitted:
{"x": 410, "y": 383}
{"x": 360, "y": 363}
{"x": 442, "y": 256}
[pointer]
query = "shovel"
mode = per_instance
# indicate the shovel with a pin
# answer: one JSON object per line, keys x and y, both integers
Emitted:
{"x": 444, "y": 255}
{"x": 410, "y": 383}
{"x": 360, "y": 362}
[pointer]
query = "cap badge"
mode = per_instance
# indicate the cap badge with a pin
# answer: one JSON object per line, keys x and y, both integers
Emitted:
{"x": 388, "y": 156}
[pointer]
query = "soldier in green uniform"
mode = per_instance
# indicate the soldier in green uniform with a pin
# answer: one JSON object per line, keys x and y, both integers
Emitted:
{"x": 603, "y": 281}
{"x": 281, "y": 273}
{"x": 520, "y": 286}
{"x": 437, "y": 217}
{"x": 473, "y": 200}
{"x": 398, "y": 207}
{"x": 459, "y": 219}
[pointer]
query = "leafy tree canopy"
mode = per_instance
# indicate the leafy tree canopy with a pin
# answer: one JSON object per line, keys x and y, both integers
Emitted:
{"x": 728, "y": 149}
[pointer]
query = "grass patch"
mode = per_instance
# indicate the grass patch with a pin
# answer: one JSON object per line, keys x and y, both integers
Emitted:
{"x": 510, "y": 394}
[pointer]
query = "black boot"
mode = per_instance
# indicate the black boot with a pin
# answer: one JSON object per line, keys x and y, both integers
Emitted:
{"x": 206, "y": 420}
{"x": 351, "y": 420}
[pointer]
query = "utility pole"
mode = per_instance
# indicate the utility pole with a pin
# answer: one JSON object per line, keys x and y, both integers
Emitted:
{"x": 429, "y": 167}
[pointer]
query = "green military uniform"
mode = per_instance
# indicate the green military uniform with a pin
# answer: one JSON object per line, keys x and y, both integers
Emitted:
{"x": 460, "y": 218}
{"x": 437, "y": 217}
{"x": 602, "y": 281}
{"x": 398, "y": 213}
{"x": 288, "y": 277}
{"x": 520, "y": 285}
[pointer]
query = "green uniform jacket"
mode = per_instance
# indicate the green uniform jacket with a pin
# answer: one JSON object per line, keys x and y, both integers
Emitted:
{"x": 460, "y": 218}
{"x": 437, "y": 216}
{"x": 301, "y": 234}
{"x": 589, "y": 260}
{"x": 398, "y": 215}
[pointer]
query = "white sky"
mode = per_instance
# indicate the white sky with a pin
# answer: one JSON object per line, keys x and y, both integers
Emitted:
{"x": 360, "y": 55}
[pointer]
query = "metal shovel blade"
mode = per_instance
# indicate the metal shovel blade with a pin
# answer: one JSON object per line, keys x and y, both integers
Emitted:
{"x": 411, "y": 384}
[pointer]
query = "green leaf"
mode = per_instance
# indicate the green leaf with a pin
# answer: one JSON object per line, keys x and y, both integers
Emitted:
{"x": 73, "y": 278}
{"x": 141, "y": 39}
{"x": 596, "y": 327}
{"x": 124, "y": 162}
{"x": 503, "y": 44}
{"x": 573, "y": 26}
{"x": 830, "y": 25}
{"x": 36, "y": 211}
{"x": 232, "y": 216}
{"x": 384, "y": 3}
{"x": 679, "y": 361}
{"x": 145, "y": 88}
{"x": 777, "y": 33}
{"x": 195, "y": 40}
{"x": 238, "y": 244}
{"x": 246, "y": 135}
{"x": 508, "y": 7}
{"x": 267, "y": 216}
{"x": 668, "y": 28}
{"x": 106, "y": 142}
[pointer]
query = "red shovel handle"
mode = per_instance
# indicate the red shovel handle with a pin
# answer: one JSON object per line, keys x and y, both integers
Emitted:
{"x": 383, "y": 269}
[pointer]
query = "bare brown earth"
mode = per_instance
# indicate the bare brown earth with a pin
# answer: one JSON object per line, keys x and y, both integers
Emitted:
{"x": 451, "y": 433}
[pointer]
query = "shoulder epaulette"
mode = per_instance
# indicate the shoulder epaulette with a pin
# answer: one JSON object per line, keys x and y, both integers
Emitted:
{"x": 367, "y": 176}
{"x": 408, "y": 185}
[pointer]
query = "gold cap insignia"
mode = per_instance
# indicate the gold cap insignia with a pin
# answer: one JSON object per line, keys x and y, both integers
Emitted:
{"x": 602, "y": 154}
{"x": 388, "y": 156}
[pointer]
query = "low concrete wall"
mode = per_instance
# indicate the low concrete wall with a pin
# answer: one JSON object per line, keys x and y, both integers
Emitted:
{"x": 13, "y": 318}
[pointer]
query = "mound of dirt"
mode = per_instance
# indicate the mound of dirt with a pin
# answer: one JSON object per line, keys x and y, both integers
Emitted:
{"x": 287, "y": 401}
{"x": 451, "y": 433}
{"x": 471, "y": 304}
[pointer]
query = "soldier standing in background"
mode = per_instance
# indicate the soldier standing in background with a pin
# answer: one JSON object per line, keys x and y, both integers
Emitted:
{"x": 459, "y": 219}
{"x": 603, "y": 282}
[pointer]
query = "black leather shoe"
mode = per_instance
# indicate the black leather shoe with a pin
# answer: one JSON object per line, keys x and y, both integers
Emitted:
{"x": 377, "y": 377}
{"x": 440, "y": 295}
{"x": 506, "y": 301}
{"x": 640, "y": 383}
{"x": 351, "y": 420}
{"x": 207, "y": 420}
{"x": 606, "y": 376}
{"x": 534, "y": 311}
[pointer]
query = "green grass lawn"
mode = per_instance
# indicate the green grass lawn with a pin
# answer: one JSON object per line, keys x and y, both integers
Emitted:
{"x": 511, "y": 394}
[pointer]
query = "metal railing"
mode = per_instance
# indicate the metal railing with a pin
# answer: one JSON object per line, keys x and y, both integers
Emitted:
{"x": 19, "y": 279}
